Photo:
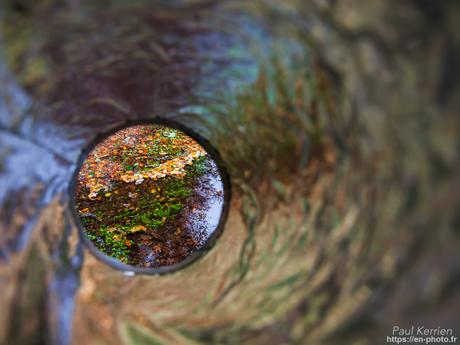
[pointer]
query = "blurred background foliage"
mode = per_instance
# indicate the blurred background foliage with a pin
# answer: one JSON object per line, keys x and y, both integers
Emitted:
{"x": 337, "y": 121}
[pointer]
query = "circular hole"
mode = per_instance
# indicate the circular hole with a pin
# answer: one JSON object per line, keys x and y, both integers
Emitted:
{"x": 149, "y": 197}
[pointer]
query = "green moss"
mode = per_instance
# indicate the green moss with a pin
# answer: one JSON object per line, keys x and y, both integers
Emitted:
{"x": 155, "y": 213}
{"x": 112, "y": 242}
{"x": 198, "y": 167}
{"x": 123, "y": 214}
{"x": 177, "y": 189}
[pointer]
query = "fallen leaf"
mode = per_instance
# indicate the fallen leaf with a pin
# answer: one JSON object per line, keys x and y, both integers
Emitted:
{"x": 137, "y": 228}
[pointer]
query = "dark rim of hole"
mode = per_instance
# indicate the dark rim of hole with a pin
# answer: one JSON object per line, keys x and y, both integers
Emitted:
{"x": 194, "y": 256}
